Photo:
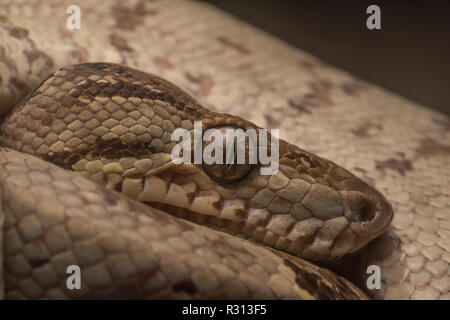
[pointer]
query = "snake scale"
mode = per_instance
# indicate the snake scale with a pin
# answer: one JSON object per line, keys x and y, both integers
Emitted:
{"x": 111, "y": 124}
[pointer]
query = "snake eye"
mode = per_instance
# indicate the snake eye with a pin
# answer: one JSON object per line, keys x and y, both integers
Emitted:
{"x": 226, "y": 155}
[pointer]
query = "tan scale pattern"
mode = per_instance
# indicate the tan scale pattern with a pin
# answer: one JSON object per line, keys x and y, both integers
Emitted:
{"x": 397, "y": 146}
{"x": 129, "y": 250}
{"x": 83, "y": 118}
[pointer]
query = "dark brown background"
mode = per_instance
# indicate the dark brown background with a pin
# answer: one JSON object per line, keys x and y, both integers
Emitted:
{"x": 409, "y": 55}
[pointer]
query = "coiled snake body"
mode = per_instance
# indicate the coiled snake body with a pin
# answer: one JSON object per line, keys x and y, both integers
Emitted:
{"x": 112, "y": 124}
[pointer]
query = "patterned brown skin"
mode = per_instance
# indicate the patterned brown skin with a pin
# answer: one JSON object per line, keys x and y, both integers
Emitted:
{"x": 113, "y": 124}
{"x": 107, "y": 113}
{"x": 396, "y": 145}
{"x": 127, "y": 250}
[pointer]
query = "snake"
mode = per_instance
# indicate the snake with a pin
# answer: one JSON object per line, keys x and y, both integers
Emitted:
{"x": 112, "y": 124}
{"x": 87, "y": 179}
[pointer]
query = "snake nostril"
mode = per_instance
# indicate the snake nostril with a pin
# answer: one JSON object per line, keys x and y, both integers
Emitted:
{"x": 369, "y": 212}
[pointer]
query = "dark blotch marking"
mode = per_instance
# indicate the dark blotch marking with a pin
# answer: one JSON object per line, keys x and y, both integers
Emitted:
{"x": 400, "y": 166}
{"x": 271, "y": 121}
{"x": 321, "y": 90}
{"x": 19, "y": 33}
{"x": 75, "y": 93}
{"x": 352, "y": 88}
{"x": 129, "y": 290}
{"x": 47, "y": 120}
{"x": 35, "y": 92}
{"x": 94, "y": 90}
{"x": 444, "y": 123}
{"x": 429, "y": 147}
{"x": 240, "y": 213}
{"x": 296, "y": 156}
{"x": 307, "y": 281}
{"x": 37, "y": 262}
{"x": 129, "y": 18}
{"x": 202, "y": 83}
{"x": 85, "y": 84}
{"x": 319, "y": 96}
{"x": 128, "y": 90}
{"x": 165, "y": 91}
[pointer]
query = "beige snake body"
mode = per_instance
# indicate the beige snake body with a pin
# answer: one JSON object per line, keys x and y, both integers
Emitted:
{"x": 112, "y": 124}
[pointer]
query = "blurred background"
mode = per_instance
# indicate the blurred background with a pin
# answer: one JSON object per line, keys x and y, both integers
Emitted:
{"x": 410, "y": 55}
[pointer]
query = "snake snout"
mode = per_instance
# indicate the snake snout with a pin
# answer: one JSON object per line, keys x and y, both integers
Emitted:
{"x": 369, "y": 212}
